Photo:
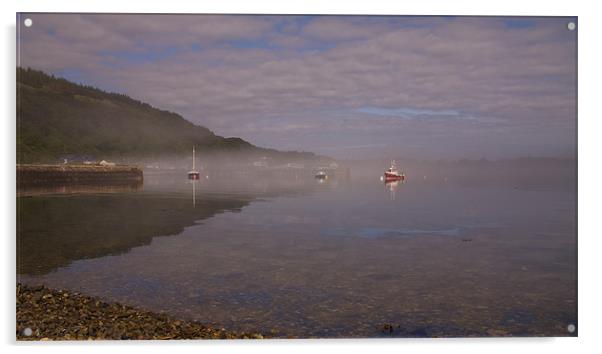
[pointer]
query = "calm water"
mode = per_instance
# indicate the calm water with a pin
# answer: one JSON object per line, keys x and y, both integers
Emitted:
{"x": 305, "y": 258}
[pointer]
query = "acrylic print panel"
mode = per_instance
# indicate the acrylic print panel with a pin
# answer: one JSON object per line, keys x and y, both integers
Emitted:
{"x": 239, "y": 176}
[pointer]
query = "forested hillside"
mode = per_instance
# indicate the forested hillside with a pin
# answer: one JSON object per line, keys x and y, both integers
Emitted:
{"x": 56, "y": 118}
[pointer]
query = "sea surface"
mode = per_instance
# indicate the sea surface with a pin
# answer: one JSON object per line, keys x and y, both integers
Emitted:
{"x": 300, "y": 257}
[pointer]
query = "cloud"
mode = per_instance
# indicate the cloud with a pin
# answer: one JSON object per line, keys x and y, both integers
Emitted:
{"x": 409, "y": 113}
{"x": 335, "y": 28}
{"x": 268, "y": 78}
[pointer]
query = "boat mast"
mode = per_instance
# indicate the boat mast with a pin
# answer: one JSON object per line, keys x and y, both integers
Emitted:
{"x": 193, "y": 158}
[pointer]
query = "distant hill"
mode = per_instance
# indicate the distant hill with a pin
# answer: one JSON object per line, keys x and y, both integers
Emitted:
{"x": 57, "y": 118}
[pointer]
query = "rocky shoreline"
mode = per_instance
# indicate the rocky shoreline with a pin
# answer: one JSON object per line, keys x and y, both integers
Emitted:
{"x": 47, "y": 314}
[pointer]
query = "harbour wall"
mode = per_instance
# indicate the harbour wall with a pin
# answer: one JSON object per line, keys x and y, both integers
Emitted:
{"x": 41, "y": 174}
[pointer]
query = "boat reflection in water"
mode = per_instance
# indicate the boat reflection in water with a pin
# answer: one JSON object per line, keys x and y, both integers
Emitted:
{"x": 392, "y": 184}
{"x": 194, "y": 182}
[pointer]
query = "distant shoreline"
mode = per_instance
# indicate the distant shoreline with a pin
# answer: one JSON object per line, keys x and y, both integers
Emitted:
{"x": 48, "y": 314}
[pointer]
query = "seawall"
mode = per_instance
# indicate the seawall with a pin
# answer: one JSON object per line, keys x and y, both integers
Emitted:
{"x": 35, "y": 174}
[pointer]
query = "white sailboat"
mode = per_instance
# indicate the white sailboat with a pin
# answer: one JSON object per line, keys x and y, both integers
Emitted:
{"x": 193, "y": 174}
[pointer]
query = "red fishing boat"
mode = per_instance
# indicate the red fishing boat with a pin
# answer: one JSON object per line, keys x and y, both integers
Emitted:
{"x": 392, "y": 174}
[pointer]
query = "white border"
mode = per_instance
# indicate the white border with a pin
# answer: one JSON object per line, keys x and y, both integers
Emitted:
{"x": 589, "y": 162}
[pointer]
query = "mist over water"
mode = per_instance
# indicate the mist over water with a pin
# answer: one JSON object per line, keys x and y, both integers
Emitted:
{"x": 463, "y": 248}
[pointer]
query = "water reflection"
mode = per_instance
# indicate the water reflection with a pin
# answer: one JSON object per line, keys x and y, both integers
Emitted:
{"x": 193, "y": 182}
{"x": 316, "y": 259}
{"x": 60, "y": 224}
{"x": 30, "y": 190}
{"x": 56, "y": 230}
{"x": 392, "y": 185}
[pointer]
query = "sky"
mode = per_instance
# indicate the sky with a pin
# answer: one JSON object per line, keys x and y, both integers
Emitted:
{"x": 343, "y": 86}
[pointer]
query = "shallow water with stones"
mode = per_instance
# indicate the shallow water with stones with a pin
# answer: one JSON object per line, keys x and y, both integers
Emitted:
{"x": 345, "y": 257}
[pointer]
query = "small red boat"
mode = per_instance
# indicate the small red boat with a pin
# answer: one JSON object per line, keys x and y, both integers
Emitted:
{"x": 392, "y": 174}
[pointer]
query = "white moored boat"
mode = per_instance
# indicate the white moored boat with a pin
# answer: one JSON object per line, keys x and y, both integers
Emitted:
{"x": 193, "y": 174}
{"x": 321, "y": 175}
